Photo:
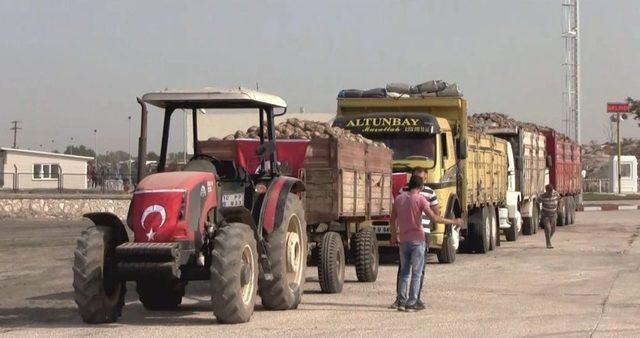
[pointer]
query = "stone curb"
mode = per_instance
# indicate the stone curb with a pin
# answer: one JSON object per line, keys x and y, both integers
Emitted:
{"x": 608, "y": 207}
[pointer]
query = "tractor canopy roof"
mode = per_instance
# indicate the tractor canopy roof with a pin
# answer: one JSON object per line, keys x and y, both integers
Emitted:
{"x": 213, "y": 98}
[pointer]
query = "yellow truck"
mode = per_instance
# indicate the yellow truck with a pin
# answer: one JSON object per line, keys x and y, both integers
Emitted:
{"x": 468, "y": 171}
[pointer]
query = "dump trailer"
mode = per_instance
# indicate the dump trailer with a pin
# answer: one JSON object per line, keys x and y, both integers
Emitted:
{"x": 529, "y": 178}
{"x": 347, "y": 184}
{"x": 467, "y": 170}
{"x": 565, "y": 166}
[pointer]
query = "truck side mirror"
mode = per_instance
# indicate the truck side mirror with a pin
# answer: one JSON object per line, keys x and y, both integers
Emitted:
{"x": 461, "y": 149}
{"x": 549, "y": 161}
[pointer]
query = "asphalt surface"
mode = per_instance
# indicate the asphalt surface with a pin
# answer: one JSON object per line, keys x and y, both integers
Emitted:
{"x": 589, "y": 285}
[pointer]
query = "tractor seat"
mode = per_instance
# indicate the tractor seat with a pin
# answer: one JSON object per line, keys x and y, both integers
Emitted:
{"x": 200, "y": 165}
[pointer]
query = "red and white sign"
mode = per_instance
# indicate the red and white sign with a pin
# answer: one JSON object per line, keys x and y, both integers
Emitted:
{"x": 617, "y": 107}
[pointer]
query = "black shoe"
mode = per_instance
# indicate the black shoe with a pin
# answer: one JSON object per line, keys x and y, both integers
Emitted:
{"x": 420, "y": 305}
{"x": 401, "y": 308}
{"x": 413, "y": 308}
{"x": 395, "y": 305}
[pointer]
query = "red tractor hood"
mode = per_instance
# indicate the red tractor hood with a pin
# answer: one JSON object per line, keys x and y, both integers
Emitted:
{"x": 171, "y": 206}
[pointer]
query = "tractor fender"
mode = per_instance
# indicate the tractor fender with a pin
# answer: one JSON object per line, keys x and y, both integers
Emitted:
{"x": 272, "y": 209}
{"x": 108, "y": 219}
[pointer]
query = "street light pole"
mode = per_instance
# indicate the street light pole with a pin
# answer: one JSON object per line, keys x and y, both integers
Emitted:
{"x": 619, "y": 153}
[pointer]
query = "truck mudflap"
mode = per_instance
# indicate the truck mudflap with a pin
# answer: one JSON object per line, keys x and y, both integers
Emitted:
{"x": 156, "y": 260}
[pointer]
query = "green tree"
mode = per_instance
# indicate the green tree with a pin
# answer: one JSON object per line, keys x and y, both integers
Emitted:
{"x": 634, "y": 108}
{"x": 80, "y": 150}
{"x": 151, "y": 156}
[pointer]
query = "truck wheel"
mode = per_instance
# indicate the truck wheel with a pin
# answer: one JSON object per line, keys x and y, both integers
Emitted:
{"x": 511, "y": 234}
{"x": 331, "y": 263}
{"x": 530, "y": 224}
{"x": 287, "y": 251}
{"x": 482, "y": 232}
{"x": 234, "y": 273}
{"x": 536, "y": 217}
{"x": 447, "y": 253}
{"x": 99, "y": 293}
{"x": 366, "y": 255}
{"x": 493, "y": 227}
{"x": 160, "y": 295}
{"x": 562, "y": 213}
{"x": 571, "y": 207}
{"x": 574, "y": 206}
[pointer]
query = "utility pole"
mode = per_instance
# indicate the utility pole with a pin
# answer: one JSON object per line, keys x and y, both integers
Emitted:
{"x": 15, "y": 129}
{"x": 571, "y": 67}
{"x": 619, "y": 154}
{"x": 130, "y": 180}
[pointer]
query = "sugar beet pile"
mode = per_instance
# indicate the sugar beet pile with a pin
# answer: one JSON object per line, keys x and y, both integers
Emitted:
{"x": 294, "y": 128}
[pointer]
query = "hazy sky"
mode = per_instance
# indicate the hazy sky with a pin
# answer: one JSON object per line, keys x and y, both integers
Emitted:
{"x": 68, "y": 67}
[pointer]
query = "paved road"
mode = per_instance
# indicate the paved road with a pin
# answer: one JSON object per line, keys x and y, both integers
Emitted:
{"x": 588, "y": 285}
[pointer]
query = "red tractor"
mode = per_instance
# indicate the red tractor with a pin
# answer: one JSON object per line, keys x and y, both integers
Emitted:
{"x": 243, "y": 231}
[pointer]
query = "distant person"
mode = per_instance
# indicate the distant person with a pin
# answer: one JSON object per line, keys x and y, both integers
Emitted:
{"x": 550, "y": 200}
{"x": 407, "y": 231}
{"x": 434, "y": 204}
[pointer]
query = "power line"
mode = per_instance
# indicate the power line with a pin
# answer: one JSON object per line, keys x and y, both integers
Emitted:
{"x": 15, "y": 129}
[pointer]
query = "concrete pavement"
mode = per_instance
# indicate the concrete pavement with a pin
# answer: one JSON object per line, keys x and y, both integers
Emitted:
{"x": 586, "y": 286}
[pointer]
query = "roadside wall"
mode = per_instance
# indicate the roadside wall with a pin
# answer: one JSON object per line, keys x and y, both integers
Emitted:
{"x": 61, "y": 206}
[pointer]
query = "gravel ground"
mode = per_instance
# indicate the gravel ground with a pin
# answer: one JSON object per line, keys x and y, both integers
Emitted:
{"x": 586, "y": 286}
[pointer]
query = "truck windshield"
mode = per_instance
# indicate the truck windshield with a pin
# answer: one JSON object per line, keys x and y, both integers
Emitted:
{"x": 423, "y": 146}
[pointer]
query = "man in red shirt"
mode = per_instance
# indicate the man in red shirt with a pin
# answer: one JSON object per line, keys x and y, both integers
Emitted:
{"x": 407, "y": 230}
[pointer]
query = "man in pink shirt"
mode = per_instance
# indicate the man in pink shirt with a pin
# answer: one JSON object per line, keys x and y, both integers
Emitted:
{"x": 406, "y": 229}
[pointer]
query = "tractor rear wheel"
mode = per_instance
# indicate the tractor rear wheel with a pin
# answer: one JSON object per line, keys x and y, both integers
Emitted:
{"x": 160, "y": 295}
{"x": 366, "y": 255}
{"x": 287, "y": 251}
{"x": 331, "y": 263}
{"x": 234, "y": 273}
{"x": 99, "y": 293}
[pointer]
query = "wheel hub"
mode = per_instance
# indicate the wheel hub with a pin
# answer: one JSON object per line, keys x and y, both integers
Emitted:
{"x": 293, "y": 251}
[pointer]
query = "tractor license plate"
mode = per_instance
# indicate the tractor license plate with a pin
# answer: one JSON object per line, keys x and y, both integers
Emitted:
{"x": 233, "y": 200}
{"x": 381, "y": 229}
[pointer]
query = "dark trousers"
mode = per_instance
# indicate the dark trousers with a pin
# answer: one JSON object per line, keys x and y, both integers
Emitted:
{"x": 424, "y": 270}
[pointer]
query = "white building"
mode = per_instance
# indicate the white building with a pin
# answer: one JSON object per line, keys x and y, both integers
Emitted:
{"x": 29, "y": 169}
{"x": 629, "y": 174}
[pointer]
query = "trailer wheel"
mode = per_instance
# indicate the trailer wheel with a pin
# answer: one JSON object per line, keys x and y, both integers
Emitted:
{"x": 331, "y": 263}
{"x": 99, "y": 293}
{"x": 536, "y": 217}
{"x": 160, "y": 295}
{"x": 366, "y": 255}
{"x": 562, "y": 213}
{"x": 574, "y": 206}
{"x": 234, "y": 273}
{"x": 530, "y": 224}
{"x": 287, "y": 251}
{"x": 493, "y": 228}
{"x": 447, "y": 253}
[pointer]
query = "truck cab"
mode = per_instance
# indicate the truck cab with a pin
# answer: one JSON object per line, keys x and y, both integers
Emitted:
{"x": 422, "y": 132}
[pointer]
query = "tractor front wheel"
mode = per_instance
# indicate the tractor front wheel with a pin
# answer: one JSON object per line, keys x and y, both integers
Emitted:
{"x": 287, "y": 252}
{"x": 234, "y": 273}
{"x": 99, "y": 293}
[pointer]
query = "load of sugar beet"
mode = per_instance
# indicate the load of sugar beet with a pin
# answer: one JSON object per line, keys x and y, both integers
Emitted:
{"x": 297, "y": 129}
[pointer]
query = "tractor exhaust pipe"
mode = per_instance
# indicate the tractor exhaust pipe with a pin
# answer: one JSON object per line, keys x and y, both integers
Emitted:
{"x": 142, "y": 141}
